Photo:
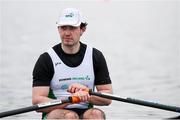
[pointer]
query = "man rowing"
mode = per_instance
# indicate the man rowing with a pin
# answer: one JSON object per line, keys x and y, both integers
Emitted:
{"x": 69, "y": 69}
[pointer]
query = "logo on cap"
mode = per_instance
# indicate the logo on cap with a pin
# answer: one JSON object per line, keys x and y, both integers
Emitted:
{"x": 70, "y": 15}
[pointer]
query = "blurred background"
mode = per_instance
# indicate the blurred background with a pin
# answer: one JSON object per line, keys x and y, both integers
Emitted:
{"x": 139, "y": 39}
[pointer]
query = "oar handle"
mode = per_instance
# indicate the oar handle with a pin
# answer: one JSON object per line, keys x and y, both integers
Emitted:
{"x": 76, "y": 99}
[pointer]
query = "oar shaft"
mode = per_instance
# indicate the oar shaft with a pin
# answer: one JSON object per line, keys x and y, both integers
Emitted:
{"x": 154, "y": 105}
{"x": 18, "y": 111}
{"x": 138, "y": 102}
{"x": 33, "y": 108}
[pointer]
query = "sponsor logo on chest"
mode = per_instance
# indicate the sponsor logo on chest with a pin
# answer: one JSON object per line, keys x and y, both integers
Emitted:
{"x": 83, "y": 78}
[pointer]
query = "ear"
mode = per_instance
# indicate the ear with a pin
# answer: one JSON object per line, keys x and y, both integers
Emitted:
{"x": 83, "y": 30}
{"x": 58, "y": 28}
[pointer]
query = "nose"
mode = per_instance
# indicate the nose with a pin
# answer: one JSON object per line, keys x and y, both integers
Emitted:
{"x": 67, "y": 32}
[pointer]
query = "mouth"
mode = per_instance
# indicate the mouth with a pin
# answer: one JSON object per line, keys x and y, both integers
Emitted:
{"x": 68, "y": 39}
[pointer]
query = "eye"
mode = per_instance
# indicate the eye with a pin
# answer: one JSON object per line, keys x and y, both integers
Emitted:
{"x": 67, "y": 28}
{"x": 63, "y": 27}
{"x": 72, "y": 28}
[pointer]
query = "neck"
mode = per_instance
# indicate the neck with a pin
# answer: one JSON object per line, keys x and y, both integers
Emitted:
{"x": 71, "y": 49}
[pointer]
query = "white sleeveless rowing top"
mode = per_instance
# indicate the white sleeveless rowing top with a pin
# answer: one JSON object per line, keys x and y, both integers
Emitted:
{"x": 65, "y": 76}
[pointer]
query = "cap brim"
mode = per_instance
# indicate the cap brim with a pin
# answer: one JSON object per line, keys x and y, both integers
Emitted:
{"x": 74, "y": 24}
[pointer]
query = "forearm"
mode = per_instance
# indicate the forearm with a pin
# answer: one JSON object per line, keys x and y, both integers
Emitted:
{"x": 95, "y": 100}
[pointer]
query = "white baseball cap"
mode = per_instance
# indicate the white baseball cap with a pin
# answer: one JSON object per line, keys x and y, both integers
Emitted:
{"x": 70, "y": 16}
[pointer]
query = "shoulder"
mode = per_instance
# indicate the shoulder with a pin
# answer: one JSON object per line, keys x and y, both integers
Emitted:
{"x": 97, "y": 54}
{"x": 44, "y": 57}
{"x": 43, "y": 70}
{"x": 44, "y": 61}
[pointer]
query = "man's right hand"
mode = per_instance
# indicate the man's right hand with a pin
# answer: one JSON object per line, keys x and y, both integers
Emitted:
{"x": 80, "y": 91}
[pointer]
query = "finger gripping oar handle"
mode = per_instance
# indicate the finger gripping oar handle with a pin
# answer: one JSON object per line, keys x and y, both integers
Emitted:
{"x": 76, "y": 99}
